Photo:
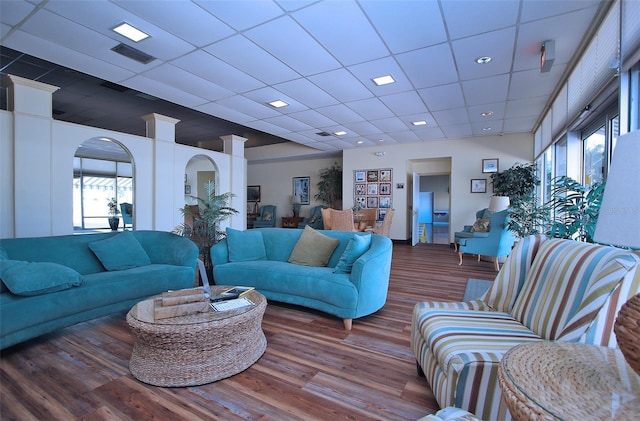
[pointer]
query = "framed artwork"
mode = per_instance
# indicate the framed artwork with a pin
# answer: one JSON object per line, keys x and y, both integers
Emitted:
{"x": 478, "y": 185}
{"x": 301, "y": 188}
{"x": 361, "y": 189}
{"x": 187, "y": 189}
{"x": 372, "y": 202}
{"x": 360, "y": 176}
{"x": 361, "y": 201}
{"x": 385, "y": 175}
{"x": 372, "y": 176}
{"x": 253, "y": 193}
{"x": 490, "y": 165}
{"x": 381, "y": 214}
{"x": 385, "y": 202}
{"x": 385, "y": 188}
{"x": 372, "y": 188}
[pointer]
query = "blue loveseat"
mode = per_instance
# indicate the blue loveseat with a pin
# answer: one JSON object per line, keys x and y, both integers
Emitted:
{"x": 52, "y": 282}
{"x": 260, "y": 258}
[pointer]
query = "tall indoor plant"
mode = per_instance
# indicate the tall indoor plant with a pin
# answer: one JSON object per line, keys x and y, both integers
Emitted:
{"x": 202, "y": 221}
{"x": 113, "y": 211}
{"x": 330, "y": 186}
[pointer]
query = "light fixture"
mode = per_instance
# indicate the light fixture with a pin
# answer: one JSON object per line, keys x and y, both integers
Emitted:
{"x": 547, "y": 55}
{"x": 619, "y": 219}
{"x": 383, "y": 80}
{"x": 498, "y": 203}
{"x": 130, "y": 32}
{"x": 380, "y": 153}
{"x": 487, "y": 114}
{"x": 483, "y": 60}
{"x": 278, "y": 104}
{"x": 419, "y": 123}
{"x": 380, "y": 140}
{"x": 360, "y": 142}
{"x": 340, "y": 133}
{"x": 486, "y": 129}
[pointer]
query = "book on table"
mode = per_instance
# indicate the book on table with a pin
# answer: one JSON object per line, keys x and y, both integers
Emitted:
{"x": 232, "y": 304}
{"x": 231, "y": 293}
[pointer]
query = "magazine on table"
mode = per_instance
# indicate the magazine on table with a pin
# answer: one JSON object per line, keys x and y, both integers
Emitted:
{"x": 231, "y": 304}
{"x": 231, "y": 293}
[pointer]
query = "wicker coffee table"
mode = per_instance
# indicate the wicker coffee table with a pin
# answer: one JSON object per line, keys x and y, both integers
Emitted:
{"x": 568, "y": 381}
{"x": 198, "y": 348}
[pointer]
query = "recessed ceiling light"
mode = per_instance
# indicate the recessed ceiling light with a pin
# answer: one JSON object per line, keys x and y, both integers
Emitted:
{"x": 486, "y": 129}
{"x": 360, "y": 142}
{"x": 487, "y": 113}
{"x": 278, "y": 104}
{"x": 419, "y": 123}
{"x": 340, "y": 133}
{"x": 383, "y": 80}
{"x": 380, "y": 140}
{"x": 134, "y": 34}
{"x": 483, "y": 60}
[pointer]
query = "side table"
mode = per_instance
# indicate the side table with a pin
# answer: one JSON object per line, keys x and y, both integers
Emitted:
{"x": 561, "y": 380}
{"x": 291, "y": 221}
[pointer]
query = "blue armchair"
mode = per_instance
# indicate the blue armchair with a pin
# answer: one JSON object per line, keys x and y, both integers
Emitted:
{"x": 127, "y": 214}
{"x": 488, "y": 236}
{"x": 314, "y": 220}
{"x": 267, "y": 217}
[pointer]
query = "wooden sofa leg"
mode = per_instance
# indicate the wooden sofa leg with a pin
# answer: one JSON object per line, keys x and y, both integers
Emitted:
{"x": 496, "y": 264}
{"x": 347, "y": 323}
{"x": 460, "y": 256}
{"x": 419, "y": 369}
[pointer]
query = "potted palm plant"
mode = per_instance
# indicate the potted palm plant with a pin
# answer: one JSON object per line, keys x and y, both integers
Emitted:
{"x": 202, "y": 221}
{"x": 330, "y": 186}
{"x": 113, "y": 212}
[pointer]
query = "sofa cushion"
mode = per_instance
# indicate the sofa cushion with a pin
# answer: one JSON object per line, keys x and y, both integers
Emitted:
{"x": 119, "y": 252}
{"x": 245, "y": 245}
{"x": 481, "y": 225}
{"x": 35, "y": 278}
{"x": 356, "y": 247}
{"x": 313, "y": 248}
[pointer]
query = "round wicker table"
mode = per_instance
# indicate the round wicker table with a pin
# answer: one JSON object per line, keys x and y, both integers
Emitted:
{"x": 568, "y": 381}
{"x": 197, "y": 348}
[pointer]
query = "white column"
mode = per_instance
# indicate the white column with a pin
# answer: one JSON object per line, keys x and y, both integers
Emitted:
{"x": 234, "y": 146}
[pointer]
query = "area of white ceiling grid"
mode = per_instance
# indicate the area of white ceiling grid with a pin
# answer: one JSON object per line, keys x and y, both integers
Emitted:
{"x": 230, "y": 58}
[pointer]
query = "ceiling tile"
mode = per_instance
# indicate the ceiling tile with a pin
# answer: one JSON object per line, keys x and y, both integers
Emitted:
{"x": 363, "y": 128}
{"x": 487, "y": 129}
{"x": 269, "y": 94}
{"x": 188, "y": 82}
{"x": 313, "y": 118}
{"x": 267, "y": 127}
{"x": 498, "y": 45}
{"x": 340, "y": 113}
{"x": 341, "y": 85}
{"x": 526, "y": 107}
{"x": 496, "y": 110}
{"x": 305, "y": 92}
{"x": 161, "y": 90}
{"x": 429, "y": 133}
{"x": 515, "y": 125}
{"x": 532, "y": 83}
{"x": 429, "y": 66}
{"x": 459, "y": 131}
{"x": 288, "y": 123}
{"x": 13, "y": 12}
{"x": 226, "y": 113}
{"x": 404, "y": 103}
{"x": 534, "y": 10}
{"x": 251, "y": 12}
{"x": 486, "y": 90}
{"x": 389, "y": 125}
{"x": 443, "y": 97}
{"x": 373, "y": 108}
{"x": 470, "y": 17}
{"x": 450, "y": 117}
{"x": 365, "y": 72}
{"x": 405, "y": 137}
{"x": 248, "y": 106}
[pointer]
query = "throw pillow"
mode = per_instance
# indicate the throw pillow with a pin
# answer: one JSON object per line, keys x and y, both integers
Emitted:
{"x": 356, "y": 247}
{"x": 268, "y": 216}
{"x": 119, "y": 252}
{"x": 35, "y": 278}
{"x": 245, "y": 245}
{"x": 313, "y": 248}
{"x": 481, "y": 225}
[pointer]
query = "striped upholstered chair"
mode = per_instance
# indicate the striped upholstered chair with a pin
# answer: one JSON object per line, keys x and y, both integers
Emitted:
{"x": 548, "y": 289}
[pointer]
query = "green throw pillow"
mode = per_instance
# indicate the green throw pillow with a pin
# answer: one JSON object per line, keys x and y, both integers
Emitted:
{"x": 313, "y": 248}
{"x": 356, "y": 247}
{"x": 245, "y": 245}
{"x": 119, "y": 252}
{"x": 481, "y": 225}
{"x": 35, "y": 278}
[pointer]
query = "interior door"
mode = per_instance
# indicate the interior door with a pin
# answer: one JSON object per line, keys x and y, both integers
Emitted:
{"x": 414, "y": 209}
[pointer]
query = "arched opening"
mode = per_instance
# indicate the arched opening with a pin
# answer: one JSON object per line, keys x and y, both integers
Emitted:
{"x": 199, "y": 170}
{"x": 102, "y": 174}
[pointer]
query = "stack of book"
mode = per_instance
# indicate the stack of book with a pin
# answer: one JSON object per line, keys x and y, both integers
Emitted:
{"x": 180, "y": 303}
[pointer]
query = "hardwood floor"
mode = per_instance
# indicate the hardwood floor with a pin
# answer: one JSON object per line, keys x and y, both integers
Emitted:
{"x": 312, "y": 370}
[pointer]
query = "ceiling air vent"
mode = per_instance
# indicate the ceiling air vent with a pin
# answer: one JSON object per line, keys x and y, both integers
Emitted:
{"x": 133, "y": 53}
{"x": 323, "y": 134}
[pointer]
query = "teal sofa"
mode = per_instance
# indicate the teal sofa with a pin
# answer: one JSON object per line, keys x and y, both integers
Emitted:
{"x": 60, "y": 281}
{"x": 260, "y": 258}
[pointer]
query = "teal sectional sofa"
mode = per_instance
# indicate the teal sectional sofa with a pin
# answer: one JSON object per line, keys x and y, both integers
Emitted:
{"x": 52, "y": 282}
{"x": 352, "y": 283}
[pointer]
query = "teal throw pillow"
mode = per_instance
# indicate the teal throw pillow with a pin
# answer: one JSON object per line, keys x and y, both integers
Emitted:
{"x": 35, "y": 278}
{"x": 245, "y": 245}
{"x": 356, "y": 247}
{"x": 313, "y": 248}
{"x": 119, "y": 252}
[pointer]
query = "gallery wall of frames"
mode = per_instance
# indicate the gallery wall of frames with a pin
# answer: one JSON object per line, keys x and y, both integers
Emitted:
{"x": 372, "y": 190}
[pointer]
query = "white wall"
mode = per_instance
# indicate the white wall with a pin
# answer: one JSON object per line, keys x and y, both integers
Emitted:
{"x": 36, "y": 173}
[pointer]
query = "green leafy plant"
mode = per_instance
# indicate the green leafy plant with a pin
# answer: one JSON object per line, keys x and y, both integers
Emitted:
{"x": 112, "y": 205}
{"x": 202, "y": 220}
{"x": 330, "y": 186}
{"x": 526, "y": 216}
{"x": 575, "y": 209}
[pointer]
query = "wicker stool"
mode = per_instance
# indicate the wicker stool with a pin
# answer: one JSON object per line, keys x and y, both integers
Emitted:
{"x": 198, "y": 348}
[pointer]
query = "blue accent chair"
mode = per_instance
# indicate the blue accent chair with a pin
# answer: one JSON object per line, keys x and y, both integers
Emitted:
{"x": 314, "y": 220}
{"x": 127, "y": 214}
{"x": 267, "y": 217}
{"x": 496, "y": 242}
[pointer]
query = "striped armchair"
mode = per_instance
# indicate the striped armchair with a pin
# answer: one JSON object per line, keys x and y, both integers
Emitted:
{"x": 548, "y": 289}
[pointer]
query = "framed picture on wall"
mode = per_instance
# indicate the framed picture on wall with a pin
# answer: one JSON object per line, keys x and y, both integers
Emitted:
{"x": 385, "y": 175}
{"x": 360, "y": 176}
{"x": 372, "y": 188}
{"x": 253, "y": 193}
{"x": 187, "y": 189}
{"x": 361, "y": 189}
{"x": 385, "y": 202}
{"x": 372, "y": 202}
{"x": 478, "y": 185}
{"x": 301, "y": 188}
{"x": 490, "y": 165}
{"x": 372, "y": 176}
{"x": 361, "y": 201}
{"x": 385, "y": 188}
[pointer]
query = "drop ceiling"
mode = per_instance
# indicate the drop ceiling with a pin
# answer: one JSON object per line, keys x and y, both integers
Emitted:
{"x": 219, "y": 63}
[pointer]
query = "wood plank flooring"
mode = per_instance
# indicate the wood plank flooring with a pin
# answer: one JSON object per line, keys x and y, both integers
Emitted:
{"x": 312, "y": 370}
